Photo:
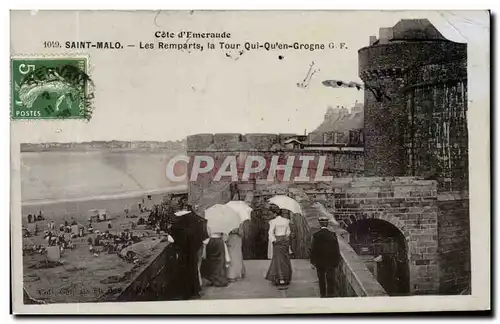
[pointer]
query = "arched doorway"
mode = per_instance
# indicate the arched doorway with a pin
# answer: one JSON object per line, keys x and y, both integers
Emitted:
{"x": 383, "y": 248}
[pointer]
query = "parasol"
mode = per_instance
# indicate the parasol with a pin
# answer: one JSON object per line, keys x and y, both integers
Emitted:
{"x": 285, "y": 202}
{"x": 221, "y": 219}
{"x": 181, "y": 213}
{"x": 241, "y": 207}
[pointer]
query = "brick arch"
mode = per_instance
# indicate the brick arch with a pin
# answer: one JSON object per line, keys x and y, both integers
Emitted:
{"x": 402, "y": 240}
{"x": 393, "y": 220}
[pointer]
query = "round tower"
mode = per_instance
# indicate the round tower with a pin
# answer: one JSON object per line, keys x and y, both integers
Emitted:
{"x": 415, "y": 103}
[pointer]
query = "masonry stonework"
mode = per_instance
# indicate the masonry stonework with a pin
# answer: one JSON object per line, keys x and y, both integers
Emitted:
{"x": 205, "y": 191}
{"x": 417, "y": 126}
{"x": 421, "y": 78}
{"x": 414, "y": 155}
{"x": 454, "y": 244}
{"x": 435, "y": 232}
{"x": 408, "y": 204}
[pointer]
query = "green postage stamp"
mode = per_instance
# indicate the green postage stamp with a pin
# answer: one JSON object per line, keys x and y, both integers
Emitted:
{"x": 51, "y": 88}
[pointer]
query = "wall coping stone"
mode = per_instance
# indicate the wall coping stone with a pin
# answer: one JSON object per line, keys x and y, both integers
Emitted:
{"x": 361, "y": 279}
{"x": 453, "y": 195}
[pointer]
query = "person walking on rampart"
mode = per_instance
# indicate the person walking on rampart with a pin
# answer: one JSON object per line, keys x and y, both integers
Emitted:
{"x": 280, "y": 269}
{"x": 325, "y": 257}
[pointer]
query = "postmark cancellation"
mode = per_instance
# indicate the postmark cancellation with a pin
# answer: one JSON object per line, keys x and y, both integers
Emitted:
{"x": 51, "y": 88}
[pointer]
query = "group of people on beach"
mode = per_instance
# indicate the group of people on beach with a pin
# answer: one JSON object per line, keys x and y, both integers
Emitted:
{"x": 35, "y": 217}
{"x": 53, "y": 237}
{"x": 62, "y": 235}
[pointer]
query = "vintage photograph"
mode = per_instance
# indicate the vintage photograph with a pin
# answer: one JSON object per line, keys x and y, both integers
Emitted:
{"x": 267, "y": 155}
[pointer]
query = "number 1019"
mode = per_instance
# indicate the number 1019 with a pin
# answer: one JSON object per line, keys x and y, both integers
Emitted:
{"x": 51, "y": 44}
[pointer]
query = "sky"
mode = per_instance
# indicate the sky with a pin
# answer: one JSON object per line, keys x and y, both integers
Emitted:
{"x": 163, "y": 95}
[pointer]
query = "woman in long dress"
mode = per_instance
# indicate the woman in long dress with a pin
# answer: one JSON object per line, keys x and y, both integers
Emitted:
{"x": 213, "y": 267}
{"x": 236, "y": 269}
{"x": 188, "y": 235}
{"x": 280, "y": 270}
{"x": 247, "y": 239}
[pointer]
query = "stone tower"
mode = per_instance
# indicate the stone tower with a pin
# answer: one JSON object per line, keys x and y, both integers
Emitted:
{"x": 415, "y": 104}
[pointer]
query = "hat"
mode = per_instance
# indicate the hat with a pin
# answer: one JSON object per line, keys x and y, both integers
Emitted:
{"x": 181, "y": 213}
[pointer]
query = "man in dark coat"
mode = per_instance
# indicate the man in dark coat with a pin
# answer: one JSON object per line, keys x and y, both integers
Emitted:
{"x": 325, "y": 257}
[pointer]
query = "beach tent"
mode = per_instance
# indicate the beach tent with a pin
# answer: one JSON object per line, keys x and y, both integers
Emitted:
{"x": 75, "y": 229}
{"x": 103, "y": 215}
{"x": 53, "y": 253}
{"x": 31, "y": 227}
{"x": 93, "y": 215}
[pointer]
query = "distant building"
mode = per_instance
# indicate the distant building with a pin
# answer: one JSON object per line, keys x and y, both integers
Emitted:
{"x": 339, "y": 119}
{"x": 293, "y": 143}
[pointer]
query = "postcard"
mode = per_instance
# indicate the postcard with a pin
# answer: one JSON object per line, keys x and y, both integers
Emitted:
{"x": 249, "y": 162}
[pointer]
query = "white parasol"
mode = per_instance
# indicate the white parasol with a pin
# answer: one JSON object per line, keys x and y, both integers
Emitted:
{"x": 241, "y": 207}
{"x": 181, "y": 212}
{"x": 285, "y": 202}
{"x": 221, "y": 219}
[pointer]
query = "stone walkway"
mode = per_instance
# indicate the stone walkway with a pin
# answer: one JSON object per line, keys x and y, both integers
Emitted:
{"x": 304, "y": 283}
